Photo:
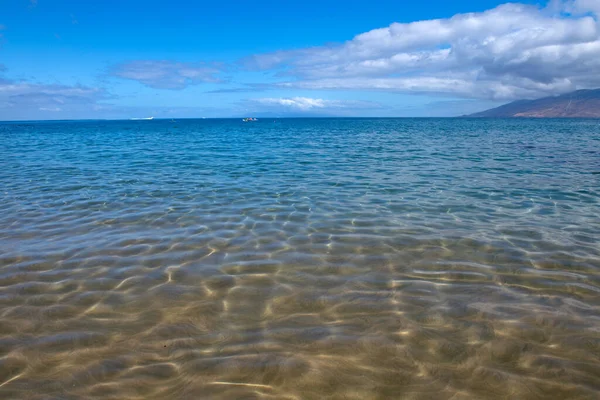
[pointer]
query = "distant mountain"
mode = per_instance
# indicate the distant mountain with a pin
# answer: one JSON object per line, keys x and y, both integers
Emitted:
{"x": 578, "y": 104}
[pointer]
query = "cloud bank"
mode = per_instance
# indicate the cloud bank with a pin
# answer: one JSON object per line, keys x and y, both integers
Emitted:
{"x": 168, "y": 74}
{"x": 22, "y": 100}
{"x": 307, "y": 106}
{"x": 511, "y": 51}
{"x": 307, "y": 103}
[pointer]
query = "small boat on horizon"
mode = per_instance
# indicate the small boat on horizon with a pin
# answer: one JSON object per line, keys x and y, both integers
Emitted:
{"x": 249, "y": 119}
{"x": 142, "y": 119}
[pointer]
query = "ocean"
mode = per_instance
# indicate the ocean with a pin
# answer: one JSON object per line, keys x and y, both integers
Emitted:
{"x": 300, "y": 259}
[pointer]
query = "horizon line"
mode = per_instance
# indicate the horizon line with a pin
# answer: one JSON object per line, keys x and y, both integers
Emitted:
{"x": 133, "y": 119}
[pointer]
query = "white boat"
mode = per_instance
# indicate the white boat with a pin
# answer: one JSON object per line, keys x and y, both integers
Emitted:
{"x": 142, "y": 119}
{"x": 249, "y": 119}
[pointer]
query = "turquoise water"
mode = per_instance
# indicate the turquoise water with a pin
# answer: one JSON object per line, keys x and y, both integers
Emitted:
{"x": 300, "y": 259}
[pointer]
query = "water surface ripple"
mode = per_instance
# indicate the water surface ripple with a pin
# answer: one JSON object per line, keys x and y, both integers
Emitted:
{"x": 300, "y": 259}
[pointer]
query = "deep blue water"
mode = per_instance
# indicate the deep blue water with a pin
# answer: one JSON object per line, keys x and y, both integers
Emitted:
{"x": 228, "y": 259}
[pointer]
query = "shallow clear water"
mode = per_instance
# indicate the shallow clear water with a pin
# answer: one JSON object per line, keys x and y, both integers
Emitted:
{"x": 300, "y": 259}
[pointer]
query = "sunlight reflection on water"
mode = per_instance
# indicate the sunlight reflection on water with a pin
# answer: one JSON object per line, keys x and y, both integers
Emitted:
{"x": 326, "y": 258}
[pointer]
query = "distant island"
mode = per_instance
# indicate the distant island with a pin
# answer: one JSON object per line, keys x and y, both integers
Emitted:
{"x": 578, "y": 104}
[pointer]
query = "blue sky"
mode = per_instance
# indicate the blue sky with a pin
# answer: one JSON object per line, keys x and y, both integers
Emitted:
{"x": 72, "y": 59}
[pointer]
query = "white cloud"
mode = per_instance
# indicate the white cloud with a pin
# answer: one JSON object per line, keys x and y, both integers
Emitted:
{"x": 308, "y": 104}
{"x": 167, "y": 74}
{"x": 582, "y": 6}
{"x": 25, "y": 100}
{"x": 12, "y": 93}
{"x": 300, "y": 103}
{"x": 508, "y": 52}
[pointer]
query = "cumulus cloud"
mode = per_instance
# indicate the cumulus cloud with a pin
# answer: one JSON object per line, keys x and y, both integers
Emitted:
{"x": 168, "y": 74}
{"x": 511, "y": 51}
{"x": 581, "y": 6}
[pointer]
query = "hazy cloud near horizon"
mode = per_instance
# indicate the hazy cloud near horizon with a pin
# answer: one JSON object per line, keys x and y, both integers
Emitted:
{"x": 304, "y": 104}
{"x": 162, "y": 74}
{"x": 20, "y": 99}
{"x": 509, "y": 52}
